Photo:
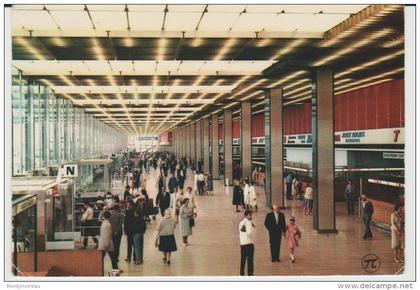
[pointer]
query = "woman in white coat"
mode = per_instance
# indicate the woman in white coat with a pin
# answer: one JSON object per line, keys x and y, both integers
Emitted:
{"x": 397, "y": 233}
{"x": 246, "y": 195}
{"x": 252, "y": 196}
{"x": 195, "y": 182}
{"x": 186, "y": 214}
{"x": 105, "y": 243}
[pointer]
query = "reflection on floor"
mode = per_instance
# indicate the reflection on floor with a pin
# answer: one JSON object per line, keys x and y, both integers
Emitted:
{"x": 215, "y": 251}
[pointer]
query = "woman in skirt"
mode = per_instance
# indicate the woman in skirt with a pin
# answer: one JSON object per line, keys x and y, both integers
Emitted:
{"x": 165, "y": 236}
{"x": 238, "y": 195}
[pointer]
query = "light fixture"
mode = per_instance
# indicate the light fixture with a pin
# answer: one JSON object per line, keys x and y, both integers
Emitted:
{"x": 364, "y": 86}
{"x": 23, "y": 41}
{"x": 287, "y": 78}
{"x": 371, "y": 63}
{"x": 365, "y": 41}
{"x": 225, "y": 49}
{"x": 198, "y": 41}
{"x": 97, "y": 49}
{"x": 289, "y": 48}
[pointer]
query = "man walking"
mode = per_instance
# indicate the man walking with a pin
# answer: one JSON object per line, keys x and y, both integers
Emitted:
{"x": 276, "y": 225}
{"x": 116, "y": 221}
{"x": 246, "y": 238}
{"x": 367, "y": 212}
{"x": 289, "y": 181}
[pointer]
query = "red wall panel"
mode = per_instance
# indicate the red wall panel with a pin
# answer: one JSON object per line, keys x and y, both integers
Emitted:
{"x": 374, "y": 107}
{"x": 236, "y": 129}
{"x": 257, "y": 125}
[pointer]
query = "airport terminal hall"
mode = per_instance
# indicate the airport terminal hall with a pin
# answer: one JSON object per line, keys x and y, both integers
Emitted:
{"x": 189, "y": 140}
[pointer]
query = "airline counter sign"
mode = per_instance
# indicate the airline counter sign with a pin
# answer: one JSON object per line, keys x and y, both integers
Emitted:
{"x": 376, "y": 136}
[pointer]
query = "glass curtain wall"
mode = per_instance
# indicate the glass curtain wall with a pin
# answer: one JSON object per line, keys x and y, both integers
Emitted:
{"x": 48, "y": 130}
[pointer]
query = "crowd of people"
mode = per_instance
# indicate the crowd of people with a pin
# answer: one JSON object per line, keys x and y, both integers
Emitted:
{"x": 177, "y": 206}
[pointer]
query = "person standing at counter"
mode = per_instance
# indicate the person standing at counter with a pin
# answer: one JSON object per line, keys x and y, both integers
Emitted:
{"x": 397, "y": 233}
{"x": 367, "y": 213}
{"x": 87, "y": 225}
{"x": 350, "y": 195}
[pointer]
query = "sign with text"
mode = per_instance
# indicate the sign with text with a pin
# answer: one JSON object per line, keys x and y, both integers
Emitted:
{"x": 70, "y": 170}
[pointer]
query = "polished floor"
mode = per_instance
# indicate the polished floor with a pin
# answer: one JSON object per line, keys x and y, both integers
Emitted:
{"x": 215, "y": 251}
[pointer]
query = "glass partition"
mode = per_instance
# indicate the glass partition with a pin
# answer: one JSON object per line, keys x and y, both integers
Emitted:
{"x": 48, "y": 131}
{"x": 24, "y": 234}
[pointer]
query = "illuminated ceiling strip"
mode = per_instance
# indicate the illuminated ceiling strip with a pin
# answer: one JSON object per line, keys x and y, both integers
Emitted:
{"x": 227, "y": 47}
{"x": 363, "y": 86}
{"x": 23, "y": 41}
{"x": 386, "y": 74}
{"x": 253, "y": 95}
{"x": 287, "y": 78}
{"x": 371, "y": 63}
{"x": 297, "y": 83}
{"x": 122, "y": 101}
{"x": 163, "y": 42}
{"x": 339, "y": 53}
{"x": 155, "y": 109}
{"x": 297, "y": 90}
{"x": 393, "y": 43}
{"x": 289, "y": 48}
{"x": 97, "y": 49}
{"x": 248, "y": 88}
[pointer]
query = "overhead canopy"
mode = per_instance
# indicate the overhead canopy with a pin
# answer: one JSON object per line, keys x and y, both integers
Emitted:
{"x": 165, "y": 65}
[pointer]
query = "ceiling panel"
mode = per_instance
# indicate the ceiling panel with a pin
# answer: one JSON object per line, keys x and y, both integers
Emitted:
{"x": 66, "y": 20}
{"x": 217, "y": 21}
{"x": 186, "y": 8}
{"x": 146, "y": 20}
{"x": 176, "y": 21}
{"x": 25, "y": 18}
{"x": 109, "y": 20}
{"x": 255, "y": 22}
{"x": 226, "y": 8}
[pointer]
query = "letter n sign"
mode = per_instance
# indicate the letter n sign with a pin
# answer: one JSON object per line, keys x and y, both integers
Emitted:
{"x": 70, "y": 170}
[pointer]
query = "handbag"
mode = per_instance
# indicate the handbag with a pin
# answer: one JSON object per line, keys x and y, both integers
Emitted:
{"x": 192, "y": 222}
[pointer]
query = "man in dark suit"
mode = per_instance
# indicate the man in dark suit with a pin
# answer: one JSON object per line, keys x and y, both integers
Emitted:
{"x": 276, "y": 225}
{"x": 163, "y": 200}
{"x": 367, "y": 212}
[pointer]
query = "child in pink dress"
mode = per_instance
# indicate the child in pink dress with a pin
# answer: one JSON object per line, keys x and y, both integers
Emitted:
{"x": 292, "y": 236}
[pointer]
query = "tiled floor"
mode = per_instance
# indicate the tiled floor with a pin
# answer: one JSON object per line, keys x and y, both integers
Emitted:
{"x": 214, "y": 249}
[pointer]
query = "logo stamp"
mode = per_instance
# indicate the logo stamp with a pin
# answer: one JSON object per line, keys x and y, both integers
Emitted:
{"x": 371, "y": 263}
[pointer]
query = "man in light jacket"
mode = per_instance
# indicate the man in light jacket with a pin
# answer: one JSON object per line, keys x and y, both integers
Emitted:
{"x": 246, "y": 239}
{"x": 105, "y": 240}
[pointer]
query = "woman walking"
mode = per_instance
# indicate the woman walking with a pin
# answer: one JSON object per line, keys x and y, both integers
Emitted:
{"x": 397, "y": 233}
{"x": 238, "y": 195}
{"x": 209, "y": 184}
{"x": 252, "y": 197}
{"x": 186, "y": 214}
{"x": 308, "y": 200}
{"x": 165, "y": 236}
{"x": 292, "y": 237}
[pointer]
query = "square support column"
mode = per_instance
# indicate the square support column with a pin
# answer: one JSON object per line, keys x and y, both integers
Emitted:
{"x": 198, "y": 141}
{"x": 206, "y": 145}
{"x": 323, "y": 150}
{"x": 215, "y": 146}
{"x": 188, "y": 139}
{"x": 227, "y": 145}
{"x": 192, "y": 148}
{"x": 246, "y": 162}
{"x": 273, "y": 127}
